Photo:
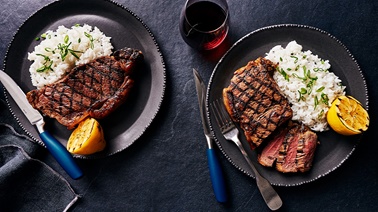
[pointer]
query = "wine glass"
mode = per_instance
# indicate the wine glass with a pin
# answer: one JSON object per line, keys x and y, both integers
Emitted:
{"x": 204, "y": 23}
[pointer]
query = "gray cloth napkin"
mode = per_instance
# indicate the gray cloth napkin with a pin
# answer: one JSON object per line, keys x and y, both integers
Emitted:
{"x": 26, "y": 183}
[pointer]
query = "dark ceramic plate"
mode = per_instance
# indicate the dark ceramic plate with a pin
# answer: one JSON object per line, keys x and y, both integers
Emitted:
{"x": 334, "y": 149}
{"x": 128, "y": 122}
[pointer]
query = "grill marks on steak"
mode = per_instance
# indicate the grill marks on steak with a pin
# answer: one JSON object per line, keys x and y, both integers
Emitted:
{"x": 270, "y": 152}
{"x": 291, "y": 150}
{"x": 253, "y": 100}
{"x": 92, "y": 90}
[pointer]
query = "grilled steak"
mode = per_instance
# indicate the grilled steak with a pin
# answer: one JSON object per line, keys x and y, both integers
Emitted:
{"x": 253, "y": 100}
{"x": 92, "y": 90}
{"x": 292, "y": 149}
{"x": 270, "y": 152}
{"x": 288, "y": 151}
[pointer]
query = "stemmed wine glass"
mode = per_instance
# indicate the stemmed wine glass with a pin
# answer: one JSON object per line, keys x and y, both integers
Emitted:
{"x": 204, "y": 23}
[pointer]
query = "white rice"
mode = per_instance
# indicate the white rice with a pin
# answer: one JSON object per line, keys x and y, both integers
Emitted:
{"x": 309, "y": 107}
{"x": 78, "y": 39}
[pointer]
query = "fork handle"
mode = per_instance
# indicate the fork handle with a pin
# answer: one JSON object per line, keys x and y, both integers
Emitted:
{"x": 216, "y": 176}
{"x": 270, "y": 196}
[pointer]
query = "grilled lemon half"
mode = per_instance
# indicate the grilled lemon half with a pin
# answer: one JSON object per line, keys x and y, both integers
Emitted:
{"x": 347, "y": 116}
{"x": 87, "y": 138}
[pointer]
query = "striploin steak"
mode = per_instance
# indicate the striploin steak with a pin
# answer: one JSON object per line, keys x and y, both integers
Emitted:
{"x": 92, "y": 90}
{"x": 253, "y": 100}
{"x": 290, "y": 150}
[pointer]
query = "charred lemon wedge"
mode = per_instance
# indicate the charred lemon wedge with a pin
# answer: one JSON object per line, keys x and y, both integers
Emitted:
{"x": 347, "y": 116}
{"x": 87, "y": 138}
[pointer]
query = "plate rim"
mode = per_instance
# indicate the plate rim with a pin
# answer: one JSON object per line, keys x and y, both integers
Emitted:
{"x": 164, "y": 77}
{"x": 238, "y": 43}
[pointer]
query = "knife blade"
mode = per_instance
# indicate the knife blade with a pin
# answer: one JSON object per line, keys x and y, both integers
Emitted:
{"x": 215, "y": 169}
{"x": 59, "y": 152}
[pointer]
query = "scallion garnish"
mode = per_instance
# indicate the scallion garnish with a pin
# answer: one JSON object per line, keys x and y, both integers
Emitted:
{"x": 296, "y": 58}
{"x": 66, "y": 39}
{"x": 284, "y": 74}
{"x": 302, "y": 92}
{"x": 320, "y": 89}
{"x": 47, "y": 63}
{"x": 64, "y": 50}
{"x": 321, "y": 114}
{"x": 316, "y": 102}
{"x": 324, "y": 98}
{"x": 90, "y": 39}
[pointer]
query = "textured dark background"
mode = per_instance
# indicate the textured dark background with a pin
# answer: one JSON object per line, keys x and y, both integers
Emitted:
{"x": 166, "y": 169}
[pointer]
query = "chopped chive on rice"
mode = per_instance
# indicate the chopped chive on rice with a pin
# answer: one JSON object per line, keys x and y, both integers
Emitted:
{"x": 307, "y": 83}
{"x": 63, "y": 49}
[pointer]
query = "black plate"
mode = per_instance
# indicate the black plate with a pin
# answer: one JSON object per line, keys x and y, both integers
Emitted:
{"x": 127, "y": 123}
{"x": 334, "y": 149}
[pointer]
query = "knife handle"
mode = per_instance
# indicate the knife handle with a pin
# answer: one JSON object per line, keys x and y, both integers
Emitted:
{"x": 61, "y": 155}
{"x": 216, "y": 176}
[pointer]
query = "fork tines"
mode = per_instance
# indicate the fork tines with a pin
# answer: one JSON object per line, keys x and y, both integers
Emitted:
{"x": 222, "y": 117}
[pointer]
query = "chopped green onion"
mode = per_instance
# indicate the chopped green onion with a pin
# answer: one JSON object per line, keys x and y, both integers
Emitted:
{"x": 320, "y": 89}
{"x": 316, "y": 102}
{"x": 90, "y": 39}
{"x": 309, "y": 85}
{"x": 284, "y": 74}
{"x": 296, "y": 58}
{"x": 296, "y": 75}
{"x": 47, "y": 63}
{"x": 301, "y": 92}
{"x": 66, "y": 39}
{"x": 321, "y": 114}
{"x": 324, "y": 98}
{"x": 73, "y": 52}
{"x": 48, "y": 49}
{"x": 308, "y": 75}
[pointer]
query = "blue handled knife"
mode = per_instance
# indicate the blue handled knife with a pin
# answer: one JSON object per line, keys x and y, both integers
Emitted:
{"x": 215, "y": 169}
{"x": 59, "y": 152}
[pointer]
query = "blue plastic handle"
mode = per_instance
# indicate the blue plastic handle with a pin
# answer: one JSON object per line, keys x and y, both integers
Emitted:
{"x": 61, "y": 155}
{"x": 216, "y": 176}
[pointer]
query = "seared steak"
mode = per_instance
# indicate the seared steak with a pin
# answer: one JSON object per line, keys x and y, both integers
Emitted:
{"x": 292, "y": 149}
{"x": 253, "y": 100}
{"x": 92, "y": 90}
{"x": 270, "y": 152}
{"x": 306, "y": 147}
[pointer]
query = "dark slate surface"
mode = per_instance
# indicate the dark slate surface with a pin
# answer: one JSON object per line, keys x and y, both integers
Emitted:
{"x": 166, "y": 169}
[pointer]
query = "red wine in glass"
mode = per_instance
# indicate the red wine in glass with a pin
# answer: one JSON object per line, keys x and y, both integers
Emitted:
{"x": 204, "y": 23}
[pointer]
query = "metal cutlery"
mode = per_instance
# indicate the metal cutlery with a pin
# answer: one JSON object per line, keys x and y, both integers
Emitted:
{"x": 215, "y": 169}
{"x": 230, "y": 132}
{"x": 60, "y": 153}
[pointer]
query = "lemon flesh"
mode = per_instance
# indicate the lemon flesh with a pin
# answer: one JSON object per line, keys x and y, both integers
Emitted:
{"x": 347, "y": 116}
{"x": 87, "y": 138}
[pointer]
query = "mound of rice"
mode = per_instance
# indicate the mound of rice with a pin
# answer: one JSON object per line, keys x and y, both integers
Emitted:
{"x": 307, "y": 83}
{"x": 75, "y": 46}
